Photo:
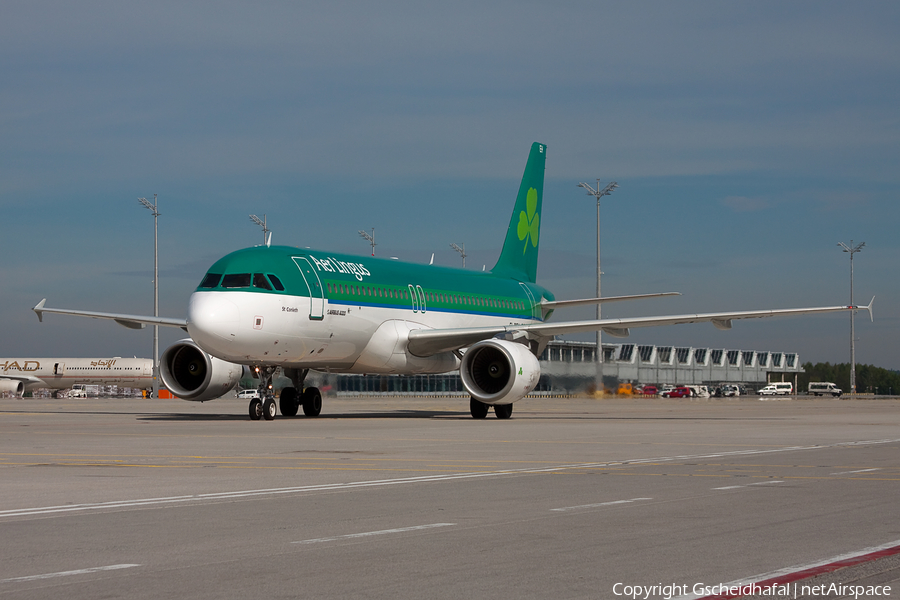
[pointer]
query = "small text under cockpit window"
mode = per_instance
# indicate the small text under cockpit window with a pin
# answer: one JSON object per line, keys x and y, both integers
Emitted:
{"x": 211, "y": 280}
{"x": 276, "y": 283}
{"x": 236, "y": 280}
{"x": 260, "y": 281}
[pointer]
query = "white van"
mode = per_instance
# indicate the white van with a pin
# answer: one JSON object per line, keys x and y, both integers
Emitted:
{"x": 779, "y": 388}
{"x": 819, "y": 388}
{"x": 784, "y": 388}
{"x": 248, "y": 394}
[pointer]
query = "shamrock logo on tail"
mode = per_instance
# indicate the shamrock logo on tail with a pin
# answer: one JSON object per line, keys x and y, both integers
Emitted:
{"x": 529, "y": 225}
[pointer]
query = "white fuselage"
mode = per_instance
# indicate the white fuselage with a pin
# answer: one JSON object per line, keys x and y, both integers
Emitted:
{"x": 251, "y": 328}
{"x": 62, "y": 373}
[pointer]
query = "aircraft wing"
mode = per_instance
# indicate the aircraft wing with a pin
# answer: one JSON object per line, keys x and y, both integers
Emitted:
{"x": 130, "y": 321}
{"x": 426, "y": 342}
{"x": 26, "y": 379}
{"x": 547, "y": 304}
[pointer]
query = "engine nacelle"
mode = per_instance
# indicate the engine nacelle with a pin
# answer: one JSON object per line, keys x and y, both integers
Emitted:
{"x": 12, "y": 386}
{"x": 192, "y": 374}
{"x": 499, "y": 371}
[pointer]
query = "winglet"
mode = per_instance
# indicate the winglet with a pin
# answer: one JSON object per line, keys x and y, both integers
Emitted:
{"x": 39, "y": 309}
{"x": 869, "y": 308}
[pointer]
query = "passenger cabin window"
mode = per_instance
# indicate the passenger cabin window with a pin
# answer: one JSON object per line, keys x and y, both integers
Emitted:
{"x": 276, "y": 283}
{"x": 260, "y": 281}
{"x": 211, "y": 280}
{"x": 236, "y": 280}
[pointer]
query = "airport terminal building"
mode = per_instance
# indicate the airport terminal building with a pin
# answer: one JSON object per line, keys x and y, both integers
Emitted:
{"x": 569, "y": 367}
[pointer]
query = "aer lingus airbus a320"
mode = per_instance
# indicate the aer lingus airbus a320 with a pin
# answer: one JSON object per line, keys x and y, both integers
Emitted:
{"x": 298, "y": 309}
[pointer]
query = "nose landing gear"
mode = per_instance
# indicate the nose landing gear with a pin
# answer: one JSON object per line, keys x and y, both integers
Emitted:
{"x": 264, "y": 406}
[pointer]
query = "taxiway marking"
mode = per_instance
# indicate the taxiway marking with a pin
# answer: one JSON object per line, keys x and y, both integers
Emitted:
{"x": 352, "y": 536}
{"x": 172, "y": 500}
{"x": 599, "y": 504}
{"x": 67, "y": 573}
{"x": 735, "y": 487}
{"x": 798, "y": 572}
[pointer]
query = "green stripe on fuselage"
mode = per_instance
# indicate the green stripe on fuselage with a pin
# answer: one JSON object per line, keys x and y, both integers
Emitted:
{"x": 367, "y": 281}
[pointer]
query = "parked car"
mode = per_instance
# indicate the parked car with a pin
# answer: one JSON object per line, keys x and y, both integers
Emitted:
{"x": 769, "y": 390}
{"x": 649, "y": 390}
{"x": 682, "y": 391}
{"x": 248, "y": 394}
{"x": 730, "y": 390}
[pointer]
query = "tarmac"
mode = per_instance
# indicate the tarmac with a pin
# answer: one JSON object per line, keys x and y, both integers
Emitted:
{"x": 411, "y": 497}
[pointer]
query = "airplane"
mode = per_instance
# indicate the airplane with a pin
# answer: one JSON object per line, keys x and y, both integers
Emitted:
{"x": 298, "y": 309}
{"x": 18, "y": 375}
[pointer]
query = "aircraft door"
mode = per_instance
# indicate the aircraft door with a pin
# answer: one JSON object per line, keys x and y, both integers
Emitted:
{"x": 535, "y": 307}
{"x": 414, "y": 297}
{"x": 59, "y": 369}
{"x": 421, "y": 298}
{"x": 314, "y": 284}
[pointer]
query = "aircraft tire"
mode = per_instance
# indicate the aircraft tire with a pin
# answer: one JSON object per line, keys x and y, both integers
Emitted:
{"x": 478, "y": 409}
{"x": 312, "y": 402}
{"x": 503, "y": 411}
{"x": 269, "y": 409}
{"x": 290, "y": 402}
{"x": 255, "y": 409}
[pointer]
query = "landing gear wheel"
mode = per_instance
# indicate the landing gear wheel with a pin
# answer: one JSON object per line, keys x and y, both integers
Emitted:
{"x": 503, "y": 411}
{"x": 312, "y": 402}
{"x": 478, "y": 409}
{"x": 256, "y": 409}
{"x": 289, "y": 402}
{"x": 269, "y": 409}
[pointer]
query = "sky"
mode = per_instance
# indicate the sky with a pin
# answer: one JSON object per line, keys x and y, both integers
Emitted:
{"x": 747, "y": 140}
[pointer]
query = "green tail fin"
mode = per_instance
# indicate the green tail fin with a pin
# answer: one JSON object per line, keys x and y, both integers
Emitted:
{"x": 518, "y": 259}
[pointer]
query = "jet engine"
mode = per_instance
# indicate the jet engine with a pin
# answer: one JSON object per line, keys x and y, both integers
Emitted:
{"x": 499, "y": 371}
{"x": 12, "y": 386}
{"x": 192, "y": 374}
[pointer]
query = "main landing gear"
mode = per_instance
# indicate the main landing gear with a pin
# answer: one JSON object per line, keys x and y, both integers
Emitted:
{"x": 291, "y": 400}
{"x": 479, "y": 409}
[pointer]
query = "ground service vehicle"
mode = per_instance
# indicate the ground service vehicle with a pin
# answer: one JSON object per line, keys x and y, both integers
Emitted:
{"x": 819, "y": 388}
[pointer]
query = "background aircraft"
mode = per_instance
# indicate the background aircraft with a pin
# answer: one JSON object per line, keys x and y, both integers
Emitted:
{"x": 18, "y": 375}
{"x": 300, "y": 309}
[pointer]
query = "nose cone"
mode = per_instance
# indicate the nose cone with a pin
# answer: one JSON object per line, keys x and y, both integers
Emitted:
{"x": 212, "y": 321}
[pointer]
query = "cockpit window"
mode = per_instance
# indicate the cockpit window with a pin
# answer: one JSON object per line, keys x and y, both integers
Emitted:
{"x": 260, "y": 281}
{"x": 211, "y": 280}
{"x": 276, "y": 283}
{"x": 236, "y": 280}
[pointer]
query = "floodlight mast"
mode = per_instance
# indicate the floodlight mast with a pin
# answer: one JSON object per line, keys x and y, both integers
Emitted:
{"x": 266, "y": 231}
{"x": 462, "y": 252}
{"x": 153, "y": 209}
{"x": 851, "y": 249}
{"x": 370, "y": 238}
{"x": 599, "y": 193}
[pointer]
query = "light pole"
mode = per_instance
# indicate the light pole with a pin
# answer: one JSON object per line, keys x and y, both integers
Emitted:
{"x": 851, "y": 249}
{"x": 155, "y": 212}
{"x": 462, "y": 251}
{"x": 370, "y": 238}
{"x": 262, "y": 223}
{"x": 598, "y": 193}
